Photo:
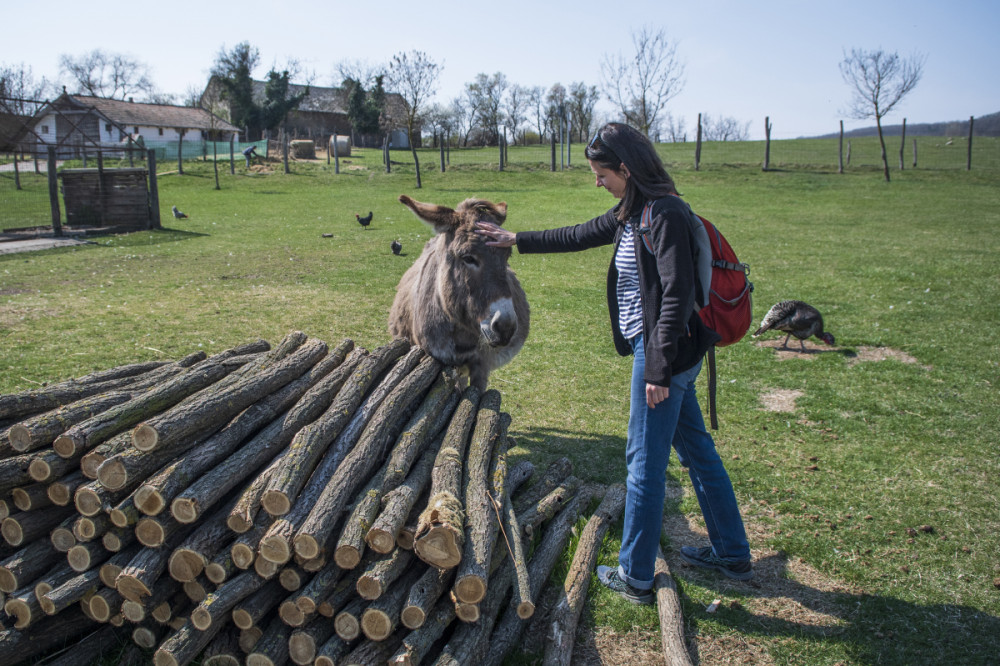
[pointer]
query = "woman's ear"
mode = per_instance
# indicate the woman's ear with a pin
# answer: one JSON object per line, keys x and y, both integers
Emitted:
{"x": 625, "y": 171}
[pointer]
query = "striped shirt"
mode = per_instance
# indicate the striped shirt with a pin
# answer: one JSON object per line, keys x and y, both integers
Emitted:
{"x": 629, "y": 298}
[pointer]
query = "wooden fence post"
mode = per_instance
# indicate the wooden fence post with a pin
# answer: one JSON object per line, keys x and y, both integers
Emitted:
{"x": 215, "y": 164}
{"x": 54, "y": 193}
{"x": 767, "y": 142}
{"x": 442, "y": 153}
{"x": 154, "y": 192}
{"x": 902, "y": 145}
{"x": 17, "y": 173}
{"x": 232, "y": 160}
{"x": 968, "y": 159}
{"x": 101, "y": 194}
{"x": 284, "y": 149}
{"x": 180, "y": 151}
{"x": 336, "y": 155}
{"x": 914, "y": 153}
{"x": 697, "y": 148}
{"x": 552, "y": 147}
{"x": 840, "y": 149}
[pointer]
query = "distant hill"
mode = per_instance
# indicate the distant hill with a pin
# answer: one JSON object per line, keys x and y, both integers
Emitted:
{"x": 981, "y": 126}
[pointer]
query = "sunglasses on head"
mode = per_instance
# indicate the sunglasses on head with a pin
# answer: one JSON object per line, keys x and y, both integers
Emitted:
{"x": 597, "y": 137}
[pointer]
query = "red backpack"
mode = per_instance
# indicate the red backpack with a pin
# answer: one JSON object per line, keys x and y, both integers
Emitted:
{"x": 724, "y": 302}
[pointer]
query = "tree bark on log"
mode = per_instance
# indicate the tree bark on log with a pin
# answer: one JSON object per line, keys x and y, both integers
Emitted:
{"x": 398, "y": 503}
{"x": 481, "y": 516}
{"x": 23, "y": 527}
{"x": 254, "y": 608}
{"x": 189, "y": 558}
{"x": 105, "y": 604}
{"x": 183, "y": 645}
{"x": 157, "y": 492}
{"x": 31, "y": 497}
{"x": 84, "y": 556}
{"x": 91, "y": 460}
{"x": 209, "y": 408}
{"x": 15, "y": 471}
{"x": 88, "y": 528}
{"x": 17, "y": 646}
{"x": 304, "y": 643}
{"x": 61, "y": 491}
{"x": 508, "y": 629}
{"x": 333, "y": 651}
{"x": 41, "y": 430}
{"x": 138, "y": 577}
{"x": 424, "y": 595}
{"x": 19, "y": 405}
{"x": 554, "y": 475}
{"x": 71, "y": 591}
{"x": 417, "y": 435}
{"x": 272, "y": 648}
{"x": 533, "y": 517}
{"x": 112, "y": 567}
{"x": 381, "y": 618}
{"x": 417, "y": 644}
{"x": 470, "y": 641}
{"x": 217, "y": 607}
{"x": 364, "y": 457}
{"x": 88, "y": 434}
{"x": 310, "y": 443}
{"x": 224, "y": 650}
{"x": 26, "y": 564}
{"x": 440, "y": 534}
{"x": 377, "y": 577}
{"x": 347, "y": 622}
{"x": 244, "y": 547}
{"x": 668, "y": 605}
{"x": 566, "y": 613}
{"x": 512, "y": 535}
{"x": 221, "y": 568}
{"x": 262, "y": 448}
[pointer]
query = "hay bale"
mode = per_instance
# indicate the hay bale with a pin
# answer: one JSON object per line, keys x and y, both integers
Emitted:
{"x": 303, "y": 149}
{"x": 343, "y": 145}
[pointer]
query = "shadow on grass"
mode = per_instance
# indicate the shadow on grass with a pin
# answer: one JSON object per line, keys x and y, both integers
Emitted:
{"x": 872, "y": 629}
{"x": 595, "y": 458}
{"x": 150, "y": 237}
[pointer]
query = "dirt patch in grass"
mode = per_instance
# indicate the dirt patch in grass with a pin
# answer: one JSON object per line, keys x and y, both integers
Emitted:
{"x": 795, "y": 350}
{"x": 780, "y": 400}
{"x": 881, "y": 354}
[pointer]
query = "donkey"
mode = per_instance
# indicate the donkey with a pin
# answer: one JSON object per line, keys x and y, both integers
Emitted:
{"x": 460, "y": 301}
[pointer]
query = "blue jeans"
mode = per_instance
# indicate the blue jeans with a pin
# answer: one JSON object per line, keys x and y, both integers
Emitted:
{"x": 677, "y": 422}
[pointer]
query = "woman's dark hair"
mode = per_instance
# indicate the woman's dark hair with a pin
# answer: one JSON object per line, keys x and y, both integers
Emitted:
{"x": 616, "y": 144}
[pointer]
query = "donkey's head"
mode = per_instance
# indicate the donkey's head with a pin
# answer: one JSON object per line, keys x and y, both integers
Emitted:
{"x": 474, "y": 284}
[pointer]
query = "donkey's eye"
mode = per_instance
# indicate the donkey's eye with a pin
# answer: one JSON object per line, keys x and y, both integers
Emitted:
{"x": 470, "y": 260}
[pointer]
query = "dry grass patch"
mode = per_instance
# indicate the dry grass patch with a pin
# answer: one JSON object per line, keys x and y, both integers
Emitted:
{"x": 780, "y": 400}
{"x": 881, "y": 354}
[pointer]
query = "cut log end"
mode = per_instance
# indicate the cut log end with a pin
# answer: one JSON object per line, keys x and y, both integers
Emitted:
{"x": 438, "y": 547}
{"x": 79, "y": 558}
{"x": 201, "y": 618}
{"x": 144, "y": 637}
{"x": 380, "y": 541}
{"x": 62, "y": 539}
{"x": 39, "y": 470}
{"x": 150, "y": 532}
{"x": 12, "y": 531}
{"x": 184, "y": 509}
{"x": 59, "y": 494}
{"x": 290, "y": 579}
{"x": 301, "y": 648}
{"x": 369, "y": 588}
{"x": 20, "y": 437}
{"x": 347, "y": 626}
{"x": 467, "y": 612}
{"x": 145, "y": 437}
{"x": 118, "y": 518}
{"x": 100, "y": 608}
{"x": 215, "y": 573}
{"x": 8, "y": 581}
{"x": 242, "y": 619}
{"x": 290, "y": 614}
{"x": 306, "y": 546}
{"x": 242, "y": 555}
{"x": 238, "y": 524}
{"x": 347, "y": 557}
{"x": 413, "y": 617}
{"x": 249, "y": 638}
{"x": 112, "y": 542}
{"x": 265, "y": 568}
{"x": 185, "y": 565}
{"x": 66, "y": 446}
{"x": 376, "y": 624}
{"x": 149, "y": 500}
{"x": 258, "y": 659}
{"x": 525, "y": 610}
{"x": 87, "y": 501}
{"x": 276, "y": 503}
{"x": 306, "y": 604}
{"x": 275, "y": 549}
{"x": 135, "y": 612}
{"x": 131, "y": 588}
{"x": 163, "y": 658}
{"x": 470, "y": 589}
{"x": 85, "y": 528}
{"x": 20, "y": 611}
{"x": 112, "y": 474}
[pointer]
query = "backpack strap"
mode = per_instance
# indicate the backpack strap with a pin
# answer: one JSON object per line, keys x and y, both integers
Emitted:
{"x": 645, "y": 226}
{"x": 712, "y": 414}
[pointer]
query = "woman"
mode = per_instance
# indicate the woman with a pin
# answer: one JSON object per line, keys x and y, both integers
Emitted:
{"x": 651, "y": 297}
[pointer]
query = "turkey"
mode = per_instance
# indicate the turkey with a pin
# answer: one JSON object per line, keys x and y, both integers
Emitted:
{"x": 179, "y": 215}
{"x": 397, "y": 247}
{"x": 795, "y": 318}
{"x": 364, "y": 221}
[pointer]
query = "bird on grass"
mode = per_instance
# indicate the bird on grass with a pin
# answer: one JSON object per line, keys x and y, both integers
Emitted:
{"x": 795, "y": 318}
{"x": 364, "y": 221}
{"x": 179, "y": 215}
{"x": 397, "y": 247}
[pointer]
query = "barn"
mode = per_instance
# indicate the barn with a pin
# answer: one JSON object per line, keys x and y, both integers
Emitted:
{"x": 78, "y": 123}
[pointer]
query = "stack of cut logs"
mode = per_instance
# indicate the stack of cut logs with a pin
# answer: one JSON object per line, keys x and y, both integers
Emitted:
{"x": 271, "y": 505}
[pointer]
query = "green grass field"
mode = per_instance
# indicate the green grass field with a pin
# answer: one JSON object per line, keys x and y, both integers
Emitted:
{"x": 870, "y": 448}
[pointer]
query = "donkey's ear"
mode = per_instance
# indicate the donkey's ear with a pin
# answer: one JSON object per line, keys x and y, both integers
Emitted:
{"x": 441, "y": 218}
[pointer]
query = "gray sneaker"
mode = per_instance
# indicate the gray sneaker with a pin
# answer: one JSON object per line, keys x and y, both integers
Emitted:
{"x": 704, "y": 557}
{"x": 610, "y": 578}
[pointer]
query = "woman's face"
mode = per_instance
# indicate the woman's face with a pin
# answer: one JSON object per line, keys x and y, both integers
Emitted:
{"x": 612, "y": 180}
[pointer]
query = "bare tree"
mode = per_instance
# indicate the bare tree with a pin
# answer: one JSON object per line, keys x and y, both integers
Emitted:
{"x": 109, "y": 75}
{"x": 674, "y": 128}
{"x": 357, "y": 70}
{"x": 462, "y": 114}
{"x": 555, "y": 107}
{"x": 581, "y": 102}
{"x": 24, "y": 95}
{"x": 641, "y": 85}
{"x": 536, "y": 102}
{"x": 879, "y": 81}
{"x": 485, "y": 95}
{"x": 516, "y": 106}
{"x": 725, "y": 128}
{"x": 414, "y": 76}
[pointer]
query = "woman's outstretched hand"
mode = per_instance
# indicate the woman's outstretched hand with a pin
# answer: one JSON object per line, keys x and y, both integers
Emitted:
{"x": 495, "y": 235}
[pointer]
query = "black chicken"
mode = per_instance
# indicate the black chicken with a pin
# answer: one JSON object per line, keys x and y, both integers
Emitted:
{"x": 397, "y": 247}
{"x": 364, "y": 221}
{"x": 795, "y": 318}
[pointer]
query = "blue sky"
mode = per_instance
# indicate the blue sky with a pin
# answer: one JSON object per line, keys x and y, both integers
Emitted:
{"x": 744, "y": 60}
